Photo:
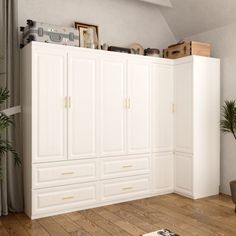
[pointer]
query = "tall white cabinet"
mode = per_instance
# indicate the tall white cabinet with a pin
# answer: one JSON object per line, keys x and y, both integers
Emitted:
{"x": 162, "y": 127}
{"x": 102, "y": 127}
{"x": 197, "y": 125}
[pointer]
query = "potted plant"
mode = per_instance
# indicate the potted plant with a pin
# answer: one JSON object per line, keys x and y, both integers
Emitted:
{"x": 228, "y": 125}
{"x": 5, "y": 122}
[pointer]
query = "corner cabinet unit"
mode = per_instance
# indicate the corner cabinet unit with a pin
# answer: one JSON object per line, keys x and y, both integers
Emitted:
{"x": 197, "y": 126}
{"x": 102, "y": 127}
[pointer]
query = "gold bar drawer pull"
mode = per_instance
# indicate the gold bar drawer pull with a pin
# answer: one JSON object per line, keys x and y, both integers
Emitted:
{"x": 128, "y": 166}
{"x": 67, "y": 173}
{"x": 127, "y": 188}
{"x": 67, "y": 198}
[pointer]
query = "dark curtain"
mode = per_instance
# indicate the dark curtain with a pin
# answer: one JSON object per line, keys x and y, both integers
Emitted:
{"x": 11, "y": 185}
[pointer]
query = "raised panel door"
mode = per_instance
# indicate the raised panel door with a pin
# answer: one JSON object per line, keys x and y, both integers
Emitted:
{"x": 49, "y": 115}
{"x": 162, "y": 115}
{"x": 82, "y": 113}
{"x": 183, "y": 173}
{"x": 183, "y": 108}
{"x": 112, "y": 107}
{"x": 138, "y": 107}
{"x": 163, "y": 173}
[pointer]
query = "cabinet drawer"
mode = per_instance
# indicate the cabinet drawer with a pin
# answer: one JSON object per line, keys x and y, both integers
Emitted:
{"x": 61, "y": 173}
{"x": 125, "y": 188}
{"x": 63, "y": 198}
{"x": 124, "y": 166}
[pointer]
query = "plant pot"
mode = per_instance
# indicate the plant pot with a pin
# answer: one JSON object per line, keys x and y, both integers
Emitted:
{"x": 233, "y": 192}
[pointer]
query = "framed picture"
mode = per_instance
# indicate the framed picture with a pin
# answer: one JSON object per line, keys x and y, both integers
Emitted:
{"x": 89, "y": 35}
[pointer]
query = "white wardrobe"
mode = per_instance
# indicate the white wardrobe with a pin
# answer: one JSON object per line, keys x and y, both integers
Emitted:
{"x": 103, "y": 127}
{"x": 196, "y": 126}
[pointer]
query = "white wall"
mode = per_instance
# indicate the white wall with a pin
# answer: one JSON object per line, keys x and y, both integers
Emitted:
{"x": 190, "y": 17}
{"x": 121, "y": 22}
{"x": 223, "y": 41}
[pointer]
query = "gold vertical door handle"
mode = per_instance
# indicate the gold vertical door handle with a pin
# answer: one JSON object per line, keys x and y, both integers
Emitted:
{"x": 173, "y": 107}
{"x": 66, "y": 102}
{"x": 69, "y": 102}
{"x": 128, "y": 103}
{"x": 125, "y": 103}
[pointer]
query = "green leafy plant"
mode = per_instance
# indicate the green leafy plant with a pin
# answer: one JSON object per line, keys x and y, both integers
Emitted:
{"x": 228, "y": 123}
{"x": 5, "y": 122}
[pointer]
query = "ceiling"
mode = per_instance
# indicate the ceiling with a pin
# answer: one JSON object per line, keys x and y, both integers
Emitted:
{"x": 164, "y": 3}
{"x": 190, "y": 17}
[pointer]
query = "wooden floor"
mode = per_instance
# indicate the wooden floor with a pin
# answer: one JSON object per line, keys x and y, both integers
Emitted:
{"x": 205, "y": 217}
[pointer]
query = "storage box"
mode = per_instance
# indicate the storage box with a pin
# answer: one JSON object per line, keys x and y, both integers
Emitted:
{"x": 184, "y": 49}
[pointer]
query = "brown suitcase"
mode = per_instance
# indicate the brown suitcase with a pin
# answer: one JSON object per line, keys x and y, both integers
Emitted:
{"x": 184, "y": 49}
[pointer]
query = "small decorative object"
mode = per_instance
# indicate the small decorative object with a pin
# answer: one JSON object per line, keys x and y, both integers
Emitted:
{"x": 89, "y": 35}
{"x": 228, "y": 125}
{"x": 136, "y": 49}
{"x": 105, "y": 47}
{"x": 119, "y": 49}
{"x": 89, "y": 38}
{"x": 163, "y": 232}
{"x": 153, "y": 52}
{"x": 5, "y": 122}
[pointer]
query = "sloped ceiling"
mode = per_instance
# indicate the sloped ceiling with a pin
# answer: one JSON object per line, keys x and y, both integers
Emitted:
{"x": 190, "y": 17}
{"x": 165, "y": 3}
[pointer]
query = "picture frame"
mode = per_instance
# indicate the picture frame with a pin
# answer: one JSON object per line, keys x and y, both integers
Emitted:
{"x": 93, "y": 31}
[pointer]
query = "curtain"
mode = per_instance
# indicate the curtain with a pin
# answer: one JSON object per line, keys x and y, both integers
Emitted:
{"x": 11, "y": 184}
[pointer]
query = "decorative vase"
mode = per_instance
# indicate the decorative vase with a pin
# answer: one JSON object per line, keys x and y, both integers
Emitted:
{"x": 233, "y": 192}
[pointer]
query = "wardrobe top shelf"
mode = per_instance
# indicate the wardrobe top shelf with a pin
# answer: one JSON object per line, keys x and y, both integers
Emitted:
{"x": 71, "y": 49}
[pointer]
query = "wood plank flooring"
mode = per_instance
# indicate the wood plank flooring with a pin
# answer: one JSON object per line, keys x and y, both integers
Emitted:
{"x": 213, "y": 216}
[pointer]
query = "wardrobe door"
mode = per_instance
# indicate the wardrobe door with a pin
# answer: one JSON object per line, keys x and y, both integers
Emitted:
{"x": 82, "y": 72}
{"x": 162, "y": 108}
{"x": 184, "y": 174}
{"x": 49, "y": 115}
{"x": 112, "y": 106}
{"x": 163, "y": 173}
{"x": 138, "y": 106}
{"x": 183, "y": 107}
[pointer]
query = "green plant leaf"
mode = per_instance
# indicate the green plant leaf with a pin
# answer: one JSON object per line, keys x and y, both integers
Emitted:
{"x": 6, "y": 147}
{"x": 4, "y": 95}
{"x": 5, "y": 121}
{"x": 228, "y": 123}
